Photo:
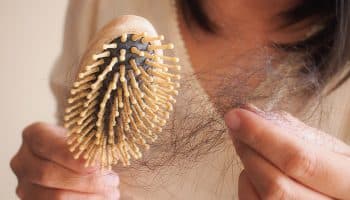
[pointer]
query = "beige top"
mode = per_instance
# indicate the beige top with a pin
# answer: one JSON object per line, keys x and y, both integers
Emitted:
{"x": 211, "y": 178}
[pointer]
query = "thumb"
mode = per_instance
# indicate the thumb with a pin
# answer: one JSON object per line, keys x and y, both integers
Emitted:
{"x": 299, "y": 129}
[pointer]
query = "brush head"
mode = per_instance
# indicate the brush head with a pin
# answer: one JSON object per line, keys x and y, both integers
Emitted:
{"x": 121, "y": 99}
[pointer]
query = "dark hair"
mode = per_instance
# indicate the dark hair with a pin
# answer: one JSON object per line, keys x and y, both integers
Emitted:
{"x": 328, "y": 50}
{"x": 325, "y": 52}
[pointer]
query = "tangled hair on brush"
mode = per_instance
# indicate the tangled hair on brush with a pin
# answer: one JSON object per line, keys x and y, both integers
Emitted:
{"x": 121, "y": 100}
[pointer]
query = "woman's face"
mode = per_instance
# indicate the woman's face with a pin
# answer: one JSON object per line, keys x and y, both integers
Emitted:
{"x": 238, "y": 40}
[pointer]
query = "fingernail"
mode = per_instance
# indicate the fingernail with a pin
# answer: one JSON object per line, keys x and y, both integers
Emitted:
{"x": 232, "y": 120}
{"x": 253, "y": 108}
{"x": 113, "y": 179}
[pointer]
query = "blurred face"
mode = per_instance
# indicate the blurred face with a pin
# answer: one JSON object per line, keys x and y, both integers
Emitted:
{"x": 235, "y": 40}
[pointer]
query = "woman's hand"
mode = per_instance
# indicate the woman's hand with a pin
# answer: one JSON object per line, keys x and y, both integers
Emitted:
{"x": 45, "y": 169}
{"x": 285, "y": 159}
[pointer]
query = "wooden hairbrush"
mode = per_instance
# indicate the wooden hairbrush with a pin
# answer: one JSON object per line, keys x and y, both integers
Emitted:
{"x": 123, "y": 94}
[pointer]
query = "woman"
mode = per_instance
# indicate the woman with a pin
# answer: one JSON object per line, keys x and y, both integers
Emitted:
{"x": 279, "y": 55}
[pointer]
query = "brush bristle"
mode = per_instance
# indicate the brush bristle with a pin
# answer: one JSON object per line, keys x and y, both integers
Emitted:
{"x": 121, "y": 101}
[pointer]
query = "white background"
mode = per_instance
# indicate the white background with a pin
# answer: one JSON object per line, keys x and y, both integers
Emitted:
{"x": 30, "y": 42}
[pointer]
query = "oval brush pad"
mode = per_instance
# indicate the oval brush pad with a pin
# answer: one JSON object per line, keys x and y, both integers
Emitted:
{"x": 122, "y": 97}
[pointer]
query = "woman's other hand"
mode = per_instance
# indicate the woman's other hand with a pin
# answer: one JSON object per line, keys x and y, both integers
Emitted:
{"x": 45, "y": 169}
{"x": 286, "y": 159}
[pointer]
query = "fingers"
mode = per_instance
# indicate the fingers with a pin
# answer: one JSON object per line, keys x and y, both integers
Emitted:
{"x": 315, "y": 167}
{"x": 46, "y": 170}
{"x": 306, "y": 133}
{"x": 49, "y": 142}
{"x": 269, "y": 182}
{"x": 29, "y": 191}
{"x": 42, "y": 172}
{"x": 245, "y": 188}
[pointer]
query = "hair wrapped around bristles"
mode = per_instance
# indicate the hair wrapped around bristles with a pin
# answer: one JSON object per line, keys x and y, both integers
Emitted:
{"x": 121, "y": 101}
